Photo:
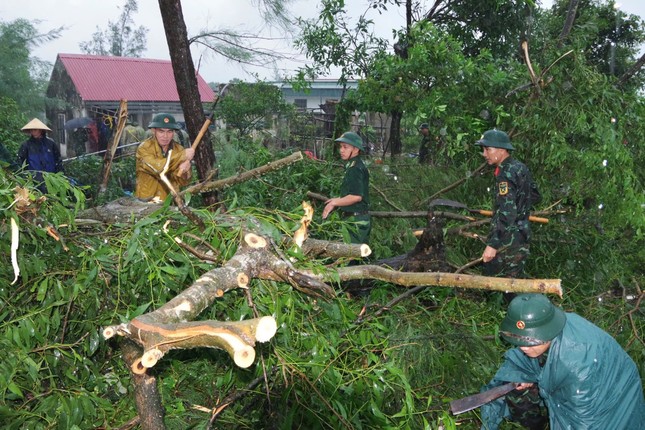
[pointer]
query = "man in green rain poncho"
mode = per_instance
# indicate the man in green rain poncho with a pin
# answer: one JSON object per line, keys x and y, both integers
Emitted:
{"x": 567, "y": 369}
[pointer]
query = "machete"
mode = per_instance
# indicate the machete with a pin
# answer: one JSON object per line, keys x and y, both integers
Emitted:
{"x": 476, "y": 400}
{"x": 454, "y": 204}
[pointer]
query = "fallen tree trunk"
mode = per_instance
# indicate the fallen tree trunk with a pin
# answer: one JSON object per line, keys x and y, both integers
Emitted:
{"x": 167, "y": 328}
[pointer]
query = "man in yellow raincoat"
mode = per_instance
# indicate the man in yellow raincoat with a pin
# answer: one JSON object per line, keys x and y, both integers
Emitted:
{"x": 152, "y": 156}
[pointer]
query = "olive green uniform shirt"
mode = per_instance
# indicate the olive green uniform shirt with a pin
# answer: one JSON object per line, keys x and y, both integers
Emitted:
{"x": 357, "y": 182}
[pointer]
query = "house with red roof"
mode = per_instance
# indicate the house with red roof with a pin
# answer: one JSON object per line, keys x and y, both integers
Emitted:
{"x": 89, "y": 88}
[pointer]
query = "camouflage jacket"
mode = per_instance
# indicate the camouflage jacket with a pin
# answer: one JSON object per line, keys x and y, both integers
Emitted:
{"x": 513, "y": 195}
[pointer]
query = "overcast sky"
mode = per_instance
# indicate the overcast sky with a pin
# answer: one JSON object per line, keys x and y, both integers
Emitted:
{"x": 81, "y": 18}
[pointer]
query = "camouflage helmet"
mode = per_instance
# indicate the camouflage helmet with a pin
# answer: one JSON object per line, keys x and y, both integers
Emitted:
{"x": 532, "y": 320}
{"x": 495, "y": 139}
{"x": 424, "y": 125}
{"x": 164, "y": 120}
{"x": 351, "y": 138}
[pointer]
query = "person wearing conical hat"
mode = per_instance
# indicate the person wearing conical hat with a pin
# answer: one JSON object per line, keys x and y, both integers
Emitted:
{"x": 39, "y": 153}
{"x": 152, "y": 155}
{"x": 354, "y": 202}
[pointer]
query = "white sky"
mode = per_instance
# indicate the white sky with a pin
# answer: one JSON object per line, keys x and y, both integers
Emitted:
{"x": 81, "y": 18}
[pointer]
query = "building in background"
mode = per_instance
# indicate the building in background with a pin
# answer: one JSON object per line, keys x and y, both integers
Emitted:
{"x": 87, "y": 90}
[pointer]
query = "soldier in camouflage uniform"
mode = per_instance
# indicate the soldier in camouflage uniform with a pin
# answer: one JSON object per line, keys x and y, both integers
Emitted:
{"x": 354, "y": 203}
{"x": 507, "y": 244}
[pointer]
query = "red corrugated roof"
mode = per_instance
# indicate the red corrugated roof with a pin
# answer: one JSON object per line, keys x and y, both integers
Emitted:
{"x": 100, "y": 78}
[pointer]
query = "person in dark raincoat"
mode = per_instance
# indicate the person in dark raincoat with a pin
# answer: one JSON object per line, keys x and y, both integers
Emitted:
{"x": 564, "y": 366}
{"x": 507, "y": 244}
{"x": 354, "y": 202}
{"x": 39, "y": 153}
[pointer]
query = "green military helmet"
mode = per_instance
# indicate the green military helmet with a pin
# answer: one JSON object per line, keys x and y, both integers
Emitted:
{"x": 164, "y": 120}
{"x": 495, "y": 139}
{"x": 532, "y": 320}
{"x": 351, "y": 138}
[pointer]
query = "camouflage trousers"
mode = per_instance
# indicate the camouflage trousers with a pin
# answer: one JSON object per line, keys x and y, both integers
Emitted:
{"x": 528, "y": 409}
{"x": 508, "y": 263}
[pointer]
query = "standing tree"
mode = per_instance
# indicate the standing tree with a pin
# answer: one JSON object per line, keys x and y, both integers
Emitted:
{"x": 186, "y": 80}
{"x": 119, "y": 39}
{"x": 23, "y": 76}
{"x": 248, "y": 106}
{"x": 185, "y": 75}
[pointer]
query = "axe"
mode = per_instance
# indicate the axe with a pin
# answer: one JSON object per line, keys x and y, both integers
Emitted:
{"x": 454, "y": 204}
{"x": 476, "y": 400}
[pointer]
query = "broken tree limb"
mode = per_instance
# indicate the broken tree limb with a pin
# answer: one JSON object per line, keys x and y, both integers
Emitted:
{"x": 421, "y": 214}
{"x": 324, "y": 248}
{"x": 245, "y": 176}
{"x": 438, "y": 279}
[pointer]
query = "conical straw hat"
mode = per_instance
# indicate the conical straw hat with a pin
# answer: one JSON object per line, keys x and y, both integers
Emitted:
{"x": 35, "y": 124}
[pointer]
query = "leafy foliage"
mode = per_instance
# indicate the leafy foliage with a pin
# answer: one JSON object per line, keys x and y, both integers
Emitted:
{"x": 335, "y": 364}
{"x": 24, "y": 77}
{"x": 249, "y": 106}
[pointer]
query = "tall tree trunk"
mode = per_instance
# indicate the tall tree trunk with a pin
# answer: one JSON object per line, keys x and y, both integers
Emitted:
{"x": 394, "y": 141}
{"x": 186, "y": 80}
{"x": 395, "y": 133}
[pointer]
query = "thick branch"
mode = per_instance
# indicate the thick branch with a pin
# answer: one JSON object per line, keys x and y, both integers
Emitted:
{"x": 245, "y": 176}
{"x": 631, "y": 72}
{"x": 568, "y": 23}
{"x": 408, "y": 279}
{"x": 236, "y": 337}
{"x": 323, "y": 248}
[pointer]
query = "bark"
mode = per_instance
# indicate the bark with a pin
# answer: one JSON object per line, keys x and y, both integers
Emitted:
{"x": 146, "y": 394}
{"x": 429, "y": 254}
{"x": 438, "y": 279}
{"x": 568, "y": 23}
{"x": 186, "y": 80}
{"x": 394, "y": 143}
{"x": 631, "y": 72}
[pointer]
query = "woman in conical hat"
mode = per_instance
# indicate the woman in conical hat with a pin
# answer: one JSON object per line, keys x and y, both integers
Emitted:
{"x": 35, "y": 124}
{"x": 39, "y": 153}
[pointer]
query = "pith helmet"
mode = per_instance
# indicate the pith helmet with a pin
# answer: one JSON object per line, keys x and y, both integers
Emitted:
{"x": 351, "y": 138}
{"x": 35, "y": 124}
{"x": 532, "y": 320}
{"x": 164, "y": 120}
{"x": 495, "y": 139}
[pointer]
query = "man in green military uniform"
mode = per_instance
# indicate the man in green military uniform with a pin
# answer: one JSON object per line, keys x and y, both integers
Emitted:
{"x": 507, "y": 244}
{"x": 569, "y": 373}
{"x": 354, "y": 202}
{"x": 424, "y": 147}
{"x": 152, "y": 155}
